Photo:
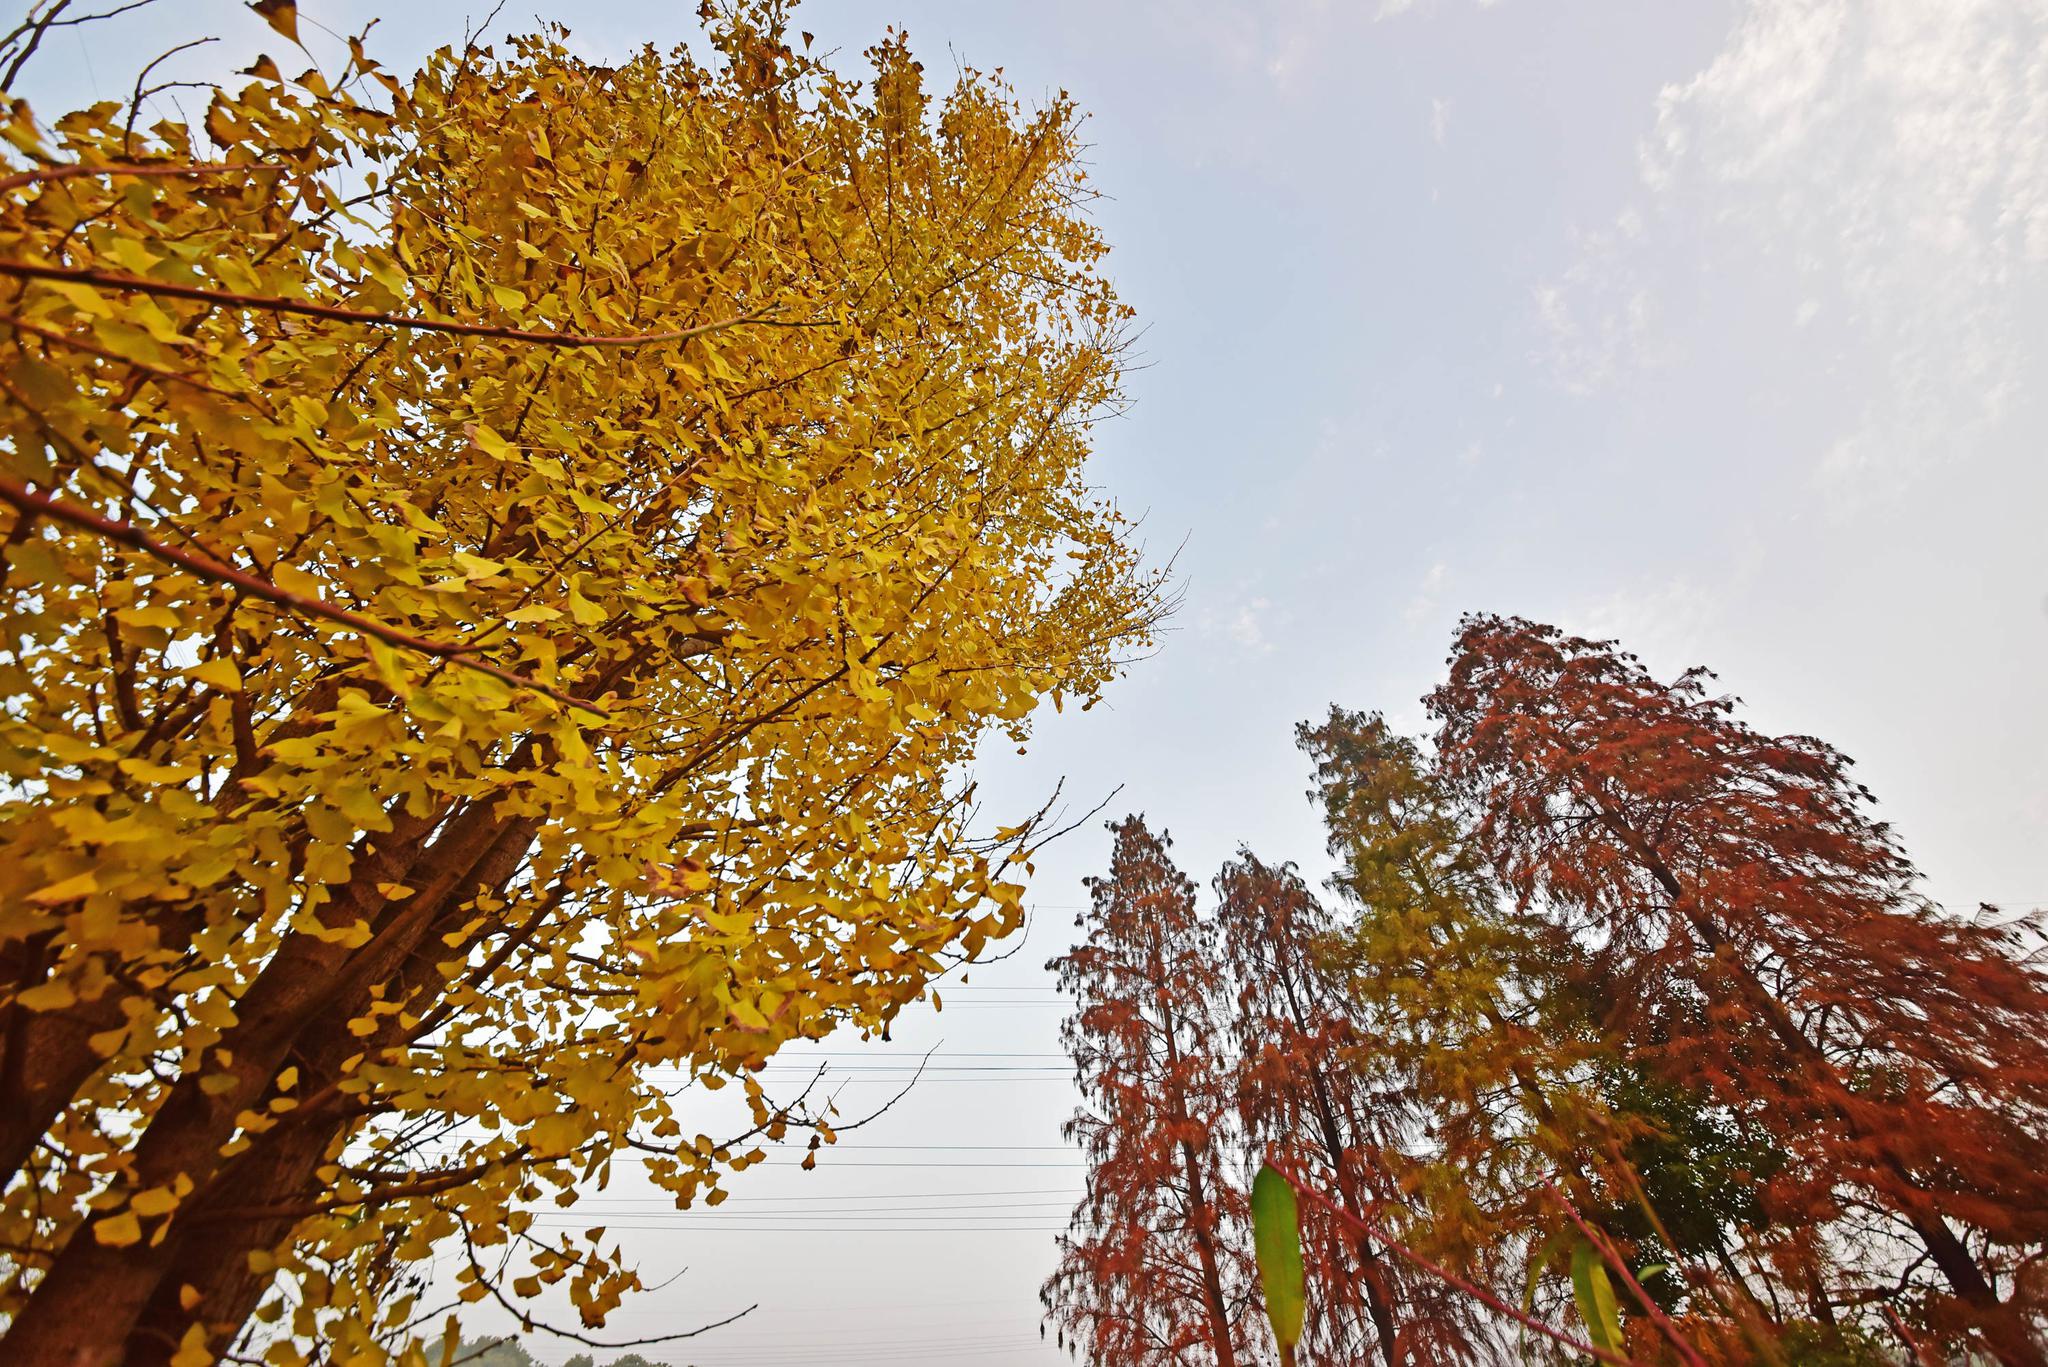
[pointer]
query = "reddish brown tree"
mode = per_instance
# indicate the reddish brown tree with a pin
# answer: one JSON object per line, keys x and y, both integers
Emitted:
{"x": 1763, "y": 942}
{"x": 1317, "y": 1089}
{"x": 1152, "y": 1270}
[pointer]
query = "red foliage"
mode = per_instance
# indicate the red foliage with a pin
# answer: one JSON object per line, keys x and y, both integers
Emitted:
{"x": 1314, "y": 1091}
{"x": 1153, "y": 1270}
{"x": 1759, "y": 937}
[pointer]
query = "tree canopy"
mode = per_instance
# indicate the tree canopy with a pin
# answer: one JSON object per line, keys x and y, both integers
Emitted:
{"x": 1630, "y": 1028}
{"x": 504, "y": 573}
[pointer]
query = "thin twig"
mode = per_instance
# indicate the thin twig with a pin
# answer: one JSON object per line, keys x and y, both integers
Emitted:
{"x": 1922, "y": 1354}
{"x": 65, "y": 339}
{"x": 1612, "y": 1257}
{"x": 35, "y": 26}
{"x": 50, "y": 175}
{"x": 140, "y": 94}
{"x": 529, "y": 1323}
{"x": 119, "y": 280}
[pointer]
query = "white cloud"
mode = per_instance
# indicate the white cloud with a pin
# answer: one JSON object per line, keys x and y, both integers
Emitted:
{"x": 1891, "y": 157}
{"x": 1242, "y": 620}
{"x": 1597, "y": 318}
{"x": 1247, "y": 626}
{"x": 1667, "y": 622}
{"x": 1423, "y": 606}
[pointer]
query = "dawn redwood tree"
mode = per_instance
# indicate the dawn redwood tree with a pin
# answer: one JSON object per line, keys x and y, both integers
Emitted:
{"x": 1317, "y": 1088}
{"x": 1764, "y": 944}
{"x": 1492, "y": 1020}
{"x": 502, "y": 575}
{"x": 1457, "y": 987}
{"x": 1153, "y": 1270}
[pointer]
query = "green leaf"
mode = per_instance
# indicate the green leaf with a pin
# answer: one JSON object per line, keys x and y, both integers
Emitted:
{"x": 1595, "y": 1295}
{"x": 1276, "y": 1238}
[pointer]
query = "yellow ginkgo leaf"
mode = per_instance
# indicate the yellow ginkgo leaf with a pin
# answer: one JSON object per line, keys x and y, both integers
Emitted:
{"x": 67, "y": 889}
{"x": 118, "y": 1230}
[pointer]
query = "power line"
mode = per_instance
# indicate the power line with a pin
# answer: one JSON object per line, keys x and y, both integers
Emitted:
{"x": 823, "y": 1149}
{"x": 821, "y": 1231}
{"x": 649, "y": 1210}
{"x": 1011, "y": 1148}
{"x": 936, "y": 1054}
{"x": 1030, "y": 1343}
{"x": 914, "y": 1068}
{"x": 871, "y": 1196}
{"x": 978, "y": 1347}
{"x": 834, "y": 1343}
{"x": 829, "y": 1340}
{"x": 867, "y": 1163}
{"x": 906, "y": 1075}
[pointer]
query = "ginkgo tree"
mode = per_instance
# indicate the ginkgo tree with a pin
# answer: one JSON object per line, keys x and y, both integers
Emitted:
{"x": 503, "y": 573}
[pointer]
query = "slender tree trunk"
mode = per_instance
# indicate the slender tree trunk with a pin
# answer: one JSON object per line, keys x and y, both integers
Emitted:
{"x": 1378, "y": 1303}
{"x": 1202, "y": 1216}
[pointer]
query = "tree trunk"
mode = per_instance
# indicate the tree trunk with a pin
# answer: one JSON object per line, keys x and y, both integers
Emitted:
{"x": 1378, "y": 1303}
{"x": 1200, "y": 1215}
{"x": 1202, "y": 1218}
{"x": 280, "y": 1169}
{"x": 82, "y": 1311}
{"x": 49, "y": 1058}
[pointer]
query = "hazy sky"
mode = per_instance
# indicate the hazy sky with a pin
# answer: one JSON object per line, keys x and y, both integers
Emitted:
{"x": 1721, "y": 328}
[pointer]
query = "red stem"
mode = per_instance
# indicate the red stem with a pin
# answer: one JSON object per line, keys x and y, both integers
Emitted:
{"x": 119, "y": 280}
{"x": 1921, "y": 1353}
{"x": 1614, "y": 1260}
{"x": 1478, "y": 1293}
{"x": 50, "y": 174}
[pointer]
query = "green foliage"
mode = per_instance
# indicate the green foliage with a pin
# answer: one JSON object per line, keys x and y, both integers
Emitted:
{"x": 1807, "y": 1344}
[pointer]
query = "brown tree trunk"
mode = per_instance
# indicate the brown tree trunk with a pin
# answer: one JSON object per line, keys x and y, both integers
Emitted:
{"x": 49, "y": 1057}
{"x": 217, "y": 1230}
{"x": 1378, "y": 1303}
{"x": 82, "y": 1311}
{"x": 1201, "y": 1216}
{"x": 1203, "y": 1219}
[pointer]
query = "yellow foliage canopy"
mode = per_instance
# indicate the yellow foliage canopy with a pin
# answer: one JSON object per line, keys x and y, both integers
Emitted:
{"x": 502, "y": 579}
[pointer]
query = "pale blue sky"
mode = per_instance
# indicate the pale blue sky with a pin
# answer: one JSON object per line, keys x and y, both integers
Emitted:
{"x": 1719, "y": 327}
